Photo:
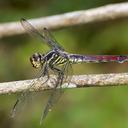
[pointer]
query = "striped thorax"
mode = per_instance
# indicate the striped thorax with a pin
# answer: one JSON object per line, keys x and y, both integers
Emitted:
{"x": 51, "y": 58}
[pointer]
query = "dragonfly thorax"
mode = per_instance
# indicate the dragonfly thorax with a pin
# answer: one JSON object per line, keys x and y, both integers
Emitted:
{"x": 36, "y": 60}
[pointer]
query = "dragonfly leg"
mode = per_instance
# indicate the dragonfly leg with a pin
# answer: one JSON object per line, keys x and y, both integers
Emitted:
{"x": 60, "y": 76}
{"x": 45, "y": 72}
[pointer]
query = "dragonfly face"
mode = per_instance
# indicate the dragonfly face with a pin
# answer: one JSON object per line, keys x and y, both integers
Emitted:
{"x": 36, "y": 60}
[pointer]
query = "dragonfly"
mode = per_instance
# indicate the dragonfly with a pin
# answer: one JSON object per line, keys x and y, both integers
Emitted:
{"x": 60, "y": 63}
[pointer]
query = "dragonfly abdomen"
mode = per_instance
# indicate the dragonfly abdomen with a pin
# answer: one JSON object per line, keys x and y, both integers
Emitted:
{"x": 75, "y": 58}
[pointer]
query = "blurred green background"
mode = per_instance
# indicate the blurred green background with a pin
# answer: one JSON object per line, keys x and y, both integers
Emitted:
{"x": 86, "y": 107}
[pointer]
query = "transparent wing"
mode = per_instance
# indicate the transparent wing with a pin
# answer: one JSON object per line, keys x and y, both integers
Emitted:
{"x": 26, "y": 95}
{"x": 57, "y": 91}
{"x": 46, "y": 36}
{"x": 20, "y": 102}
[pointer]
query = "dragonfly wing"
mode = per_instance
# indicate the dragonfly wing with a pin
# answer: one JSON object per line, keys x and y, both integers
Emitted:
{"x": 46, "y": 36}
{"x": 54, "y": 97}
{"x": 19, "y": 104}
{"x": 25, "y": 96}
{"x": 51, "y": 40}
{"x": 56, "y": 92}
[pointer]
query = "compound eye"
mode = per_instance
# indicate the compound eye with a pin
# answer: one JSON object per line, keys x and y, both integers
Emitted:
{"x": 37, "y": 57}
{"x": 36, "y": 60}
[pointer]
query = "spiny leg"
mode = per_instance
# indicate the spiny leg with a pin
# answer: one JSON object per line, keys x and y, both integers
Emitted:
{"x": 44, "y": 72}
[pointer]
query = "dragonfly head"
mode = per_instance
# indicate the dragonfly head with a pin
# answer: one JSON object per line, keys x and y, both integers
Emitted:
{"x": 36, "y": 60}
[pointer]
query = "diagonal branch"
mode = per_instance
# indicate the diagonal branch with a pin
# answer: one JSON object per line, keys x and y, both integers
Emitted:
{"x": 104, "y": 13}
{"x": 97, "y": 80}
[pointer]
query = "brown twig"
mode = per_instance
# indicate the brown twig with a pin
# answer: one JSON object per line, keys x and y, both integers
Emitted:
{"x": 109, "y": 12}
{"x": 97, "y": 80}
